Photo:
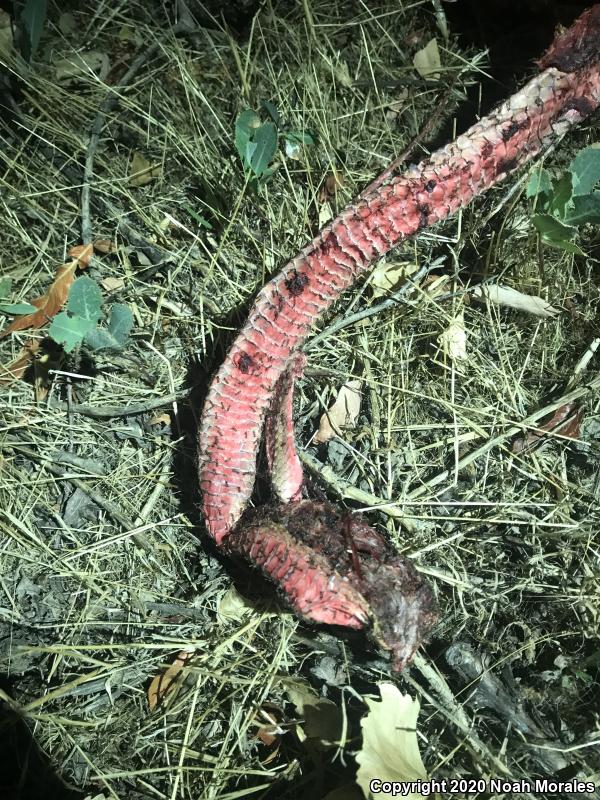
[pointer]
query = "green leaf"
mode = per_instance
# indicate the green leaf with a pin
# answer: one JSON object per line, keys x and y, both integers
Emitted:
{"x": 85, "y": 299}
{"x": 5, "y": 286}
{"x": 268, "y": 106}
{"x": 33, "y": 17}
{"x": 303, "y": 137}
{"x": 555, "y": 233}
{"x": 265, "y": 139}
{"x": 120, "y": 323}
{"x": 115, "y": 336}
{"x": 561, "y": 196}
{"x": 549, "y": 226}
{"x": 204, "y": 223}
{"x": 101, "y": 339}
{"x": 584, "y": 209}
{"x": 69, "y": 329}
{"x": 585, "y": 168}
{"x": 250, "y": 149}
{"x": 540, "y": 182}
{"x": 17, "y": 308}
{"x": 245, "y": 126}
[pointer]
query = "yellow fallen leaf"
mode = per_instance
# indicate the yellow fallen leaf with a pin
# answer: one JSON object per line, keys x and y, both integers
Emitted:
{"x": 386, "y": 278}
{"x": 322, "y": 719}
{"x": 427, "y": 61}
{"x": 390, "y": 750}
{"x": 505, "y": 296}
{"x": 453, "y": 340}
{"x": 231, "y": 606}
{"x": 342, "y": 414}
{"x": 142, "y": 171}
{"x": 325, "y": 214}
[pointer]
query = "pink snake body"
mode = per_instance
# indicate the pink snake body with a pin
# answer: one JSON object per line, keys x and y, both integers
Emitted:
{"x": 262, "y": 363}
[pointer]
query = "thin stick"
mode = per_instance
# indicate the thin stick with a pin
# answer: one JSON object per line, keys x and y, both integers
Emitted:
{"x": 109, "y": 412}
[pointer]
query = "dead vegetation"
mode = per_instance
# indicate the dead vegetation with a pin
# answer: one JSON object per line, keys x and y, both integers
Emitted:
{"x": 140, "y": 671}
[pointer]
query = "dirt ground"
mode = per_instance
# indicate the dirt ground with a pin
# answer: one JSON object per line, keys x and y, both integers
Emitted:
{"x": 137, "y": 662}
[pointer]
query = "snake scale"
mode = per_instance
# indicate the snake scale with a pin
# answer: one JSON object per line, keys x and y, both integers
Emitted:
{"x": 330, "y": 570}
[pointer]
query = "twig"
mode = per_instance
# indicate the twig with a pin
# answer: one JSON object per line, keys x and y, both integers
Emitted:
{"x": 109, "y": 412}
{"x": 397, "y": 163}
{"x": 455, "y": 714}
{"x": 161, "y": 483}
{"x": 167, "y": 364}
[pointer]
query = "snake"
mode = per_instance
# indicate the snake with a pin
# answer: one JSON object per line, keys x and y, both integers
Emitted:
{"x": 330, "y": 567}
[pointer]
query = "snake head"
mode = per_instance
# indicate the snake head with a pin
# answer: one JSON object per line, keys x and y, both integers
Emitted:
{"x": 337, "y": 570}
{"x": 402, "y": 607}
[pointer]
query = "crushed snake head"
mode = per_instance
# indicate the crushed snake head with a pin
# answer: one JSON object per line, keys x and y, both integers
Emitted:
{"x": 334, "y": 568}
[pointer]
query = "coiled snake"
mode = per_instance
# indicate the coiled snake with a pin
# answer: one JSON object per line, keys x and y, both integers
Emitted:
{"x": 330, "y": 571}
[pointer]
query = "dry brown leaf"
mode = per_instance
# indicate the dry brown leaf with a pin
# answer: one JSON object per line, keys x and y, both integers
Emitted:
{"x": 427, "y": 61}
{"x": 333, "y": 182}
{"x": 342, "y": 414}
{"x": 268, "y": 719}
{"x": 505, "y": 296}
{"x": 565, "y": 421}
{"x": 42, "y": 362}
{"x": 112, "y": 284}
{"x": 163, "y": 685}
{"x": 390, "y": 750}
{"x": 142, "y": 171}
{"x": 17, "y": 368}
{"x": 49, "y": 304}
{"x": 104, "y": 246}
{"x": 161, "y": 419}
{"x": 453, "y": 340}
{"x": 82, "y": 253}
